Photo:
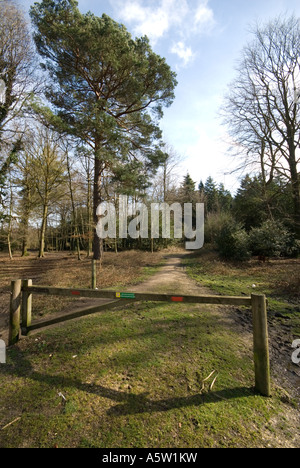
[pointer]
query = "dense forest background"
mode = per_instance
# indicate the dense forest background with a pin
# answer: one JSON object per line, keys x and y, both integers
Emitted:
{"x": 50, "y": 157}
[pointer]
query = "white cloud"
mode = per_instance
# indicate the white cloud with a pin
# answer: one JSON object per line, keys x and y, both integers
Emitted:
{"x": 161, "y": 18}
{"x": 153, "y": 21}
{"x": 184, "y": 52}
{"x": 204, "y": 16}
{"x": 146, "y": 21}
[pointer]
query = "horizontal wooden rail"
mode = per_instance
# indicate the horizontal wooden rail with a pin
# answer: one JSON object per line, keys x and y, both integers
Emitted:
{"x": 21, "y": 298}
{"x": 96, "y": 294}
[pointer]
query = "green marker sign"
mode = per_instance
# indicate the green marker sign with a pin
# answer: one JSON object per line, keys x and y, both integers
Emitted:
{"x": 125, "y": 295}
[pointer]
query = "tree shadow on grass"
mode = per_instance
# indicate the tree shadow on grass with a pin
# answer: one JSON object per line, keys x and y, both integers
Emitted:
{"x": 127, "y": 402}
{"x": 135, "y": 404}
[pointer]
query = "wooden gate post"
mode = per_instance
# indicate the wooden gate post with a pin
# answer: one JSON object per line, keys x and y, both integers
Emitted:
{"x": 14, "y": 313}
{"x": 260, "y": 344}
{"x": 26, "y": 307}
{"x": 94, "y": 274}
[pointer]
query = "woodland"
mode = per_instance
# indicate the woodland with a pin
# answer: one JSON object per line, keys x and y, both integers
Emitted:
{"x": 80, "y": 106}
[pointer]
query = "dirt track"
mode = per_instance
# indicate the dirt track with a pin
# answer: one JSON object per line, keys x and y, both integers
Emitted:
{"x": 172, "y": 278}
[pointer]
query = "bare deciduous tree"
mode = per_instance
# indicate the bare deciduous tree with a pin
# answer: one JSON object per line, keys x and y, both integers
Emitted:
{"x": 47, "y": 166}
{"x": 260, "y": 109}
{"x": 168, "y": 176}
{"x": 17, "y": 65}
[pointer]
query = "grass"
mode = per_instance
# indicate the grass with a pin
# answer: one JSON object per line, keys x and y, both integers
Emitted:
{"x": 134, "y": 378}
{"x": 137, "y": 377}
{"x": 279, "y": 279}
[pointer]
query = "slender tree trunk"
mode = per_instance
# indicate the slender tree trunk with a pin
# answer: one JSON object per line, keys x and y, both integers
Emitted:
{"x": 10, "y": 222}
{"x": 165, "y": 181}
{"x": 26, "y": 214}
{"x": 295, "y": 192}
{"x": 89, "y": 216}
{"x": 117, "y": 215}
{"x": 9, "y": 241}
{"x": 265, "y": 182}
{"x": 75, "y": 221}
{"x": 25, "y": 225}
{"x": 43, "y": 231}
{"x": 97, "y": 242}
{"x": 9, "y": 238}
{"x": 295, "y": 180}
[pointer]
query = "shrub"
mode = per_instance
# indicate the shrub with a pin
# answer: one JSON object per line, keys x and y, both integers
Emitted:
{"x": 214, "y": 223}
{"x": 233, "y": 242}
{"x": 273, "y": 239}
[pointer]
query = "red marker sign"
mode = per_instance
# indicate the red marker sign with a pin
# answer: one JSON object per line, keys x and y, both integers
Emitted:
{"x": 75, "y": 293}
{"x": 176, "y": 299}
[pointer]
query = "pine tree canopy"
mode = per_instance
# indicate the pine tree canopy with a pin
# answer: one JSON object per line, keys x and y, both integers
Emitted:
{"x": 107, "y": 88}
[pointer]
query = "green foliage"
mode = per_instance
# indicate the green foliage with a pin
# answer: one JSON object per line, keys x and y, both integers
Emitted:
{"x": 211, "y": 194}
{"x": 187, "y": 190}
{"x": 107, "y": 89}
{"x": 228, "y": 237}
{"x": 249, "y": 206}
{"x": 216, "y": 198}
{"x": 255, "y": 202}
{"x": 214, "y": 223}
{"x": 273, "y": 239}
{"x": 233, "y": 242}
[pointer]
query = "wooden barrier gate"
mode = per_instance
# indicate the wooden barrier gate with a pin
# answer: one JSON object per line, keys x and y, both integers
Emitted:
{"x": 21, "y": 323}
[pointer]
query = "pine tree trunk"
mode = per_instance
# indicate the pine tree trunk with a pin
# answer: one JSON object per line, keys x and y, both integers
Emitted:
{"x": 89, "y": 214}
{"x": 75, "y": 220}
{"x": 97, "y": 242}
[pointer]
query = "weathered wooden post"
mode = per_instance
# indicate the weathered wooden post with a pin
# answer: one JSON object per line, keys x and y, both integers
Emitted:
{"x": 260, "y": 344}
{"x": 26, "y": 306}
{"x": 94, "y": 274}
{"x": 14, "y": 315}
{"x": 2, "y": 352}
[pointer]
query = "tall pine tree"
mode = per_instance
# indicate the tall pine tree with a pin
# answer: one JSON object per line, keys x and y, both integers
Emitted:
{"x": 107, "y": 89}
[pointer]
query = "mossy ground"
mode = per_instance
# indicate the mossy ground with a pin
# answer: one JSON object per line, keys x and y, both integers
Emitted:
{"x": 136, "y": 378}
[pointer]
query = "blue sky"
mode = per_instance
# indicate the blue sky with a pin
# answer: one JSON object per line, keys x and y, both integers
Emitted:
{"x": 201, "y": 40}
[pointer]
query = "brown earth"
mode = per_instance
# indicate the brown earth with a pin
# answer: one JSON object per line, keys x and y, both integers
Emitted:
{"x": 64, "y": 270}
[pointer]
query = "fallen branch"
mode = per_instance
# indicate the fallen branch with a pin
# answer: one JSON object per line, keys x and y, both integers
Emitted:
{"x": 205, "y": 380}
{"x": 212, "y": 373}
{"x": 12, "y": 422}
{"x": 213, "y": 383}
